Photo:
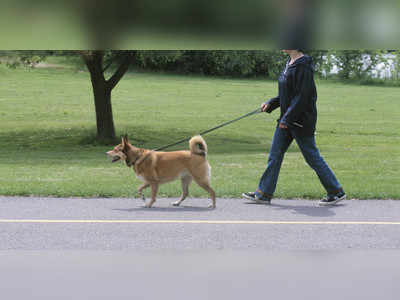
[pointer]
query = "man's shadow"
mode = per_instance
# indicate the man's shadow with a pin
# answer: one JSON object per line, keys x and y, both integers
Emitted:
{"x": 309, "y": 210}
{"x": 312, "y": 210}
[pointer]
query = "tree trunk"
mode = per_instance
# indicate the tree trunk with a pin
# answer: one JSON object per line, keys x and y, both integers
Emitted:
{"x": 102, "y": 90}
{"x": 102, "y": 96}
{"x": 104, "y": 115}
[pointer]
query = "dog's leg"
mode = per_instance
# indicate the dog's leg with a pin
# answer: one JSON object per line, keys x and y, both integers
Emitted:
{"x": 154, "y": 190}
{"x": 185, "y": 180}
{"x": 204, "y": 183}
{"x": 141, "y": 188}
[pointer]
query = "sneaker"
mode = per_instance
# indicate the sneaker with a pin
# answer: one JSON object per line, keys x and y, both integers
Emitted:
{"x": 256, "y": 198}
{"x": 332, "y": 199}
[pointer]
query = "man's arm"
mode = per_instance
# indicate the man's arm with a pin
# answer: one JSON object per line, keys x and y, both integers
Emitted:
{"x": 270, "y": 105}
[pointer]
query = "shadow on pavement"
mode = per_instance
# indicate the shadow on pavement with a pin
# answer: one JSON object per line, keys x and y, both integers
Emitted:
{"x": 166, "y": 209}
{"x": 312, "y": 211}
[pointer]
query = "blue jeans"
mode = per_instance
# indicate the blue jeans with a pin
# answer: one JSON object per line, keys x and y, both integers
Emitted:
{"x": 280, "y": 143}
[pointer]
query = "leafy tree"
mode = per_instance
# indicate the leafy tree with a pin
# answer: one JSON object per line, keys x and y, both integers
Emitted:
{"x": 392, "y": 63}
{"x": 215, "y": 62}
{"x": 356, "y": 63}
{"x": 29, "y": 58}
{"x": 321, "y": 61}
{"x": 396, "y": 65}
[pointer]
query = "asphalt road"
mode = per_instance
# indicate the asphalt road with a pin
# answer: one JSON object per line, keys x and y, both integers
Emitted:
{"x": 124, "y": 224}
{"x": 52, "y": 248}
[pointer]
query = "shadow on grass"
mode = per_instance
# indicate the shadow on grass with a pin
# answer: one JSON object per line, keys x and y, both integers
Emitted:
{"x": 74, "y": 139}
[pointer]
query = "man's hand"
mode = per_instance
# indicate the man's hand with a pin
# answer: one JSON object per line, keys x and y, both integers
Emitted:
{"x": 264, "y": 107}
{"x": 282, "y": 126}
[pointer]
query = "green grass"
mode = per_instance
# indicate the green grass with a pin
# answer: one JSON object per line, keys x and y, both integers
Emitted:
{"x": 47, "y": 123}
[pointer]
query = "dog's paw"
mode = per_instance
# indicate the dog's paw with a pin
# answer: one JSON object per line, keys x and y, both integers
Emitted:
{"x": 211, "y": 206}
{"x": 176, "y": 203}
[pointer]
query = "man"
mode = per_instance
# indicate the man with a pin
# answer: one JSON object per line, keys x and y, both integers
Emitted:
{"x": 297, "y": 101}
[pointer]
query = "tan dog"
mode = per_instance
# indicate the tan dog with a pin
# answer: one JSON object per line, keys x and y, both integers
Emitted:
{"x": 155, "y": 168}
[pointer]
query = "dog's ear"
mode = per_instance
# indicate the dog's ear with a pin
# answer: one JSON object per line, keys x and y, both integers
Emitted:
{"x": 126, "y": 141}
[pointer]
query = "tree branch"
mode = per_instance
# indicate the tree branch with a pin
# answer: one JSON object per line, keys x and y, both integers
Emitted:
{"x": 124, "y": 66}
{"x": 108, "y": 65}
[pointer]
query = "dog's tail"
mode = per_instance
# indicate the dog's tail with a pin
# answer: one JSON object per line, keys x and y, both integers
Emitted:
{"x": 198, "y": 145}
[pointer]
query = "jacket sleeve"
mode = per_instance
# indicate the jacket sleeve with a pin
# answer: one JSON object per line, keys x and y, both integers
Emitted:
{"x": 303, "y": 87}
{"x": 273, "y": 103}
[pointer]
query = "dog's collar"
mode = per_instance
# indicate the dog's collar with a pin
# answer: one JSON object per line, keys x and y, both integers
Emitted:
{"x": 129, "y": 163}
{"x": 141, "y": 158}
{"x": 138, "y": 160}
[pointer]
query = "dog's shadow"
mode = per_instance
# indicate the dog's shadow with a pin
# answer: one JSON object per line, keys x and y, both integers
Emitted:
{"x": 166, "y": 209}
{"x": 311, "y": 210}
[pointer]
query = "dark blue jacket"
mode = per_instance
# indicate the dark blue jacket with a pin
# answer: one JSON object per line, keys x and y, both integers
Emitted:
{"x": 297, "y": 97}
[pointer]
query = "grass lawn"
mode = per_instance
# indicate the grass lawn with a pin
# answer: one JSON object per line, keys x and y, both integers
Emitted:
{"x": 47, "y": 125}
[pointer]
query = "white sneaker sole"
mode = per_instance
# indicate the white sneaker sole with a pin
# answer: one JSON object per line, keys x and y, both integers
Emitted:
{"x": 256, "y": 200}
{"x": 321, "y": 203}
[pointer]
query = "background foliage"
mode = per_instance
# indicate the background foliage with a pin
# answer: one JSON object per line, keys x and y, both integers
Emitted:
{"x": 363, "y": 66}
{"x": 355, "y": 65}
